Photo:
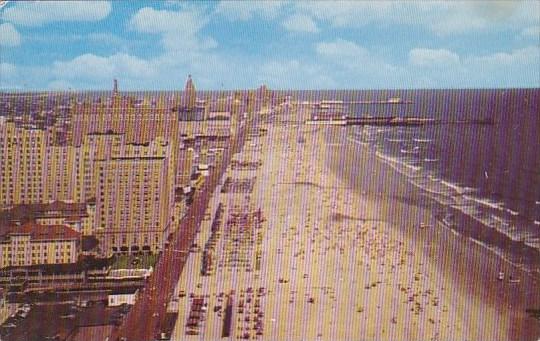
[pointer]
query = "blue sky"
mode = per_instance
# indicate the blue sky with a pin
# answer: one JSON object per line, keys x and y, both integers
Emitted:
{"x": 286, "y": 45}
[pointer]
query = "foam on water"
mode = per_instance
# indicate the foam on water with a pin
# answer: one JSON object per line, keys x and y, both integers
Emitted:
{"x": 400, "y": 165}
{"x": 512, "y": 212}
{"x": 358, "y": 142}
{"x": 401, "y": 153}
{"x": 413, "y": 151}
{"x": 486, "y": 202}
{"x": 457, "y": 188}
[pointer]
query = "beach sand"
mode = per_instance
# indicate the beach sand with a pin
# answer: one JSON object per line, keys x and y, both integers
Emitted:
{"x": 346, "y": 250}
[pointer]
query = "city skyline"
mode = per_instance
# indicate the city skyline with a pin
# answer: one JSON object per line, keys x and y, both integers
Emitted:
{"x": 286, "y": 45}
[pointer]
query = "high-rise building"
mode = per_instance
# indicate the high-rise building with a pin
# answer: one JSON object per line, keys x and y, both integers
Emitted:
{"x": 139, "y": 124}
{"x": 135, "y": 197}
{"x": 115, "y": 88}
{"x": 190, "y": 94}
{"x": 22, "y": 158}
{"x": 131, "y": 184}
{"x": 132, "y": 204}
{"x": 62, "y": 173}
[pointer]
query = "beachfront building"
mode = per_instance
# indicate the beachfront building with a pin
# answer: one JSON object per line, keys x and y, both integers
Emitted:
{"x": 135, "y": 198}
{"x": 62, "y": 174}
{"x": 32, "y": 243}
{"x": 22, "y": 157}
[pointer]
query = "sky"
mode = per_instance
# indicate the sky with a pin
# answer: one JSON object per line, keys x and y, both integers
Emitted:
{"x": 154, "y": 45}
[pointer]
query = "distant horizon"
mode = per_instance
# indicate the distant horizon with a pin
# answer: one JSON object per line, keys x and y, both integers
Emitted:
{"x": 14, "y": 91}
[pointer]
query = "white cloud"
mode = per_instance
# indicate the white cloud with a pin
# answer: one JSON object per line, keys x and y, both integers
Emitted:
{"x": 345, "y": 13}
{"x": 150, "y": 20}
{"x": 441, "y": 17}
{"x": 531, "y": 32}
{"x": 516, "y": 68}
{"x": 95, "y": 68}
{"x": 179, "y": 29}
{"x": 36, "y": 13}
{"x": 246, "y": 10}
{"x": 433, "y": 57}
{"x": 7, "y": 69}
{"x": 294, "y": 74}
{"x": 354, "y": 64}
{"x": 341, "y": 49}
{"x": 9, "y": 36}
{"x": 300, "y": 23}
{"x": 528, "y": 56}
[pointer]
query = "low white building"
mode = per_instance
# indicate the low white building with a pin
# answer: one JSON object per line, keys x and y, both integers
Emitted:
{"x": 117, "y": 298}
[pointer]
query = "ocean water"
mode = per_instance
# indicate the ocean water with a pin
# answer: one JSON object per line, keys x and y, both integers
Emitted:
{"x": 485, "y": 178}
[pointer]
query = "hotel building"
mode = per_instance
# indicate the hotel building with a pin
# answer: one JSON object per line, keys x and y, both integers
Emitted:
{"x": 135, "y": 198}
{"x": 22, "y": 158}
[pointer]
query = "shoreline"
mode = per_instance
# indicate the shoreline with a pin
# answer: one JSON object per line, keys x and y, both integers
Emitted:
{"x": 393, "y": 197}
{"x": 333, "y": 260}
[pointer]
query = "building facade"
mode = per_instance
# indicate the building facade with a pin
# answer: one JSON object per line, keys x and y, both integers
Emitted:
{"x": 135, "y": 197}
{"x": 22, "y": 158}
{"x": 32, "y": 244}
{"x": 132, "y": 204}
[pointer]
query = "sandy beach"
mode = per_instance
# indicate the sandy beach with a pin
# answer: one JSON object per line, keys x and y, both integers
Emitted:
{"x": 314, "y": 244}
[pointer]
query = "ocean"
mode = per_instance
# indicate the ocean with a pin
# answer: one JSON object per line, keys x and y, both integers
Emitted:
{"x": 485, "y": 179}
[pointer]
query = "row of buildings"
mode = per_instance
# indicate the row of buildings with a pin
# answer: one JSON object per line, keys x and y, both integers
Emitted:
{"x": 127, "y": 188}
{"x": 126, "y": 169}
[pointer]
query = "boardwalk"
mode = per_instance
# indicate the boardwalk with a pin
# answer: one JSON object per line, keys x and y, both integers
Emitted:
{"x": 145, "y": 319}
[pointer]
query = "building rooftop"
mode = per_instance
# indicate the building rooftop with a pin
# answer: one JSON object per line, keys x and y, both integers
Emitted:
{"x": 39, "y": 232}
{"x": 61, "y": 206}
{"x": 29, "y": 212}
{"x": 137, "y": 158}
{"x": 65, "y": 322}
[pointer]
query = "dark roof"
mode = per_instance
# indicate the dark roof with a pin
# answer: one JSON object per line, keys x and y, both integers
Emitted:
{"x": 29, "y": 212}
{"x": 108, "y": 132}
{"x": 63, "y": 321}
{"x": 61, "y": 206}
{"x": 139, "y": 158}
{"x": 40, "y": 232}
